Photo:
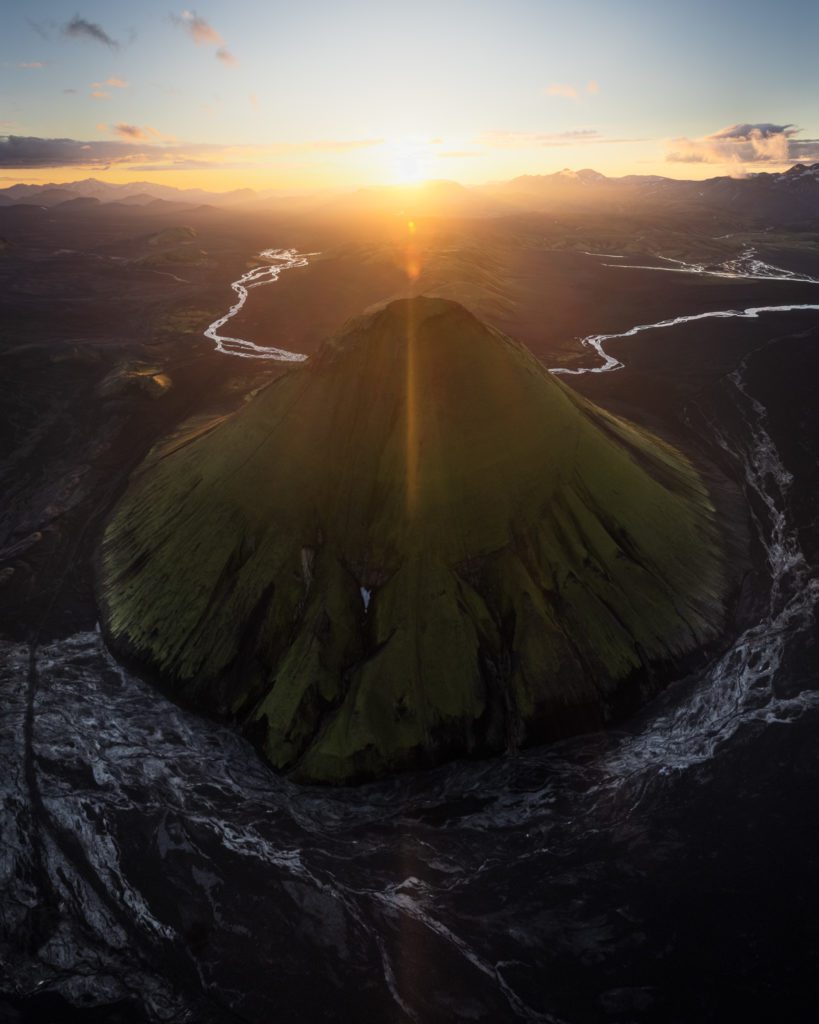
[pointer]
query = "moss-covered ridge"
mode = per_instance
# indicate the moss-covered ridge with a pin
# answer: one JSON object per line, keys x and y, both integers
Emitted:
{"x": 418, "y": 545}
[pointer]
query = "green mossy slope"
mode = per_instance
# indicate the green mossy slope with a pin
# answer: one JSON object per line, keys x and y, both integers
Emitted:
{"x": 526, "y": 557}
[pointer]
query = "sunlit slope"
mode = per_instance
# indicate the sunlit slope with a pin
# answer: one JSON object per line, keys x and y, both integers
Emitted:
{"x": 526, "y": 556}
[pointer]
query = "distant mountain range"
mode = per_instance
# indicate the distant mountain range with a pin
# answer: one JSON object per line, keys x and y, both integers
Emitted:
{"x": 789, "y": 198}
{"x": 134, "y": 193}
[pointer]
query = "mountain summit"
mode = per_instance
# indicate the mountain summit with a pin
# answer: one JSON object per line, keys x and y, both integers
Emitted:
{"x": 416, "y": 546}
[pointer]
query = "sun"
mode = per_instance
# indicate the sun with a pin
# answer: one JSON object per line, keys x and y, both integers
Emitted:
{"x": 410, "y": 161}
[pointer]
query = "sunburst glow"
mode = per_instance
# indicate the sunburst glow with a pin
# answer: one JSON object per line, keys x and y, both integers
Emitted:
{"x": 410, "y": 161}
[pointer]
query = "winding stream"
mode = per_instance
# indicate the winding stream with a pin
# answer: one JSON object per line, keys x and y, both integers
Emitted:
{"x": 745, "y": 266}
{"x": 609, "y": 363}
{"x": 279, "y": 260}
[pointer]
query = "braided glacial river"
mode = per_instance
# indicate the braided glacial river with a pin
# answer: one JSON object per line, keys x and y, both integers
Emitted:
{"x": 191, "y": 883}
{"x": 745, "y": 266}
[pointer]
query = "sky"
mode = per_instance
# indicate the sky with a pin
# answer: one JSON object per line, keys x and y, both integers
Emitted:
{"x": 343, "y": 93}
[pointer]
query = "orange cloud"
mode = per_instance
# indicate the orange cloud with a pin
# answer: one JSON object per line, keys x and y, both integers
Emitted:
{"x": 204, "y": 34}
{"x": 568, "y": 92}
{"x": 99, "y": 94}
{"x": 572, "y": 92}
{"x": 113, "y": 81}
{"x": 135, "y": 133}
{"x": 200, "y": 31}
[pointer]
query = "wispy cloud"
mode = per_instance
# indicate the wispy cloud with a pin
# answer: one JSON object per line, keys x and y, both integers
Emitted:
{"x": 551, "y": 140}
{"x": 99, "y": 91}
{"x": 525, "y": 140}
{"x": 81, "y": 28}
{"x": 132, "y": 132}
{"x": 132, "y": 149}
{"x": 459, "y": 153}
{"x": 135, "y": 133}
{"x": 204, "y": 34}
{"x": 568, "y": 92}
{"x": 200, "y": 31}
{"x": 572, "y": 92}
{"x": 740, "y": 144}
{"x": 326, "y": 145}
{"x": 41, "y": 30}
